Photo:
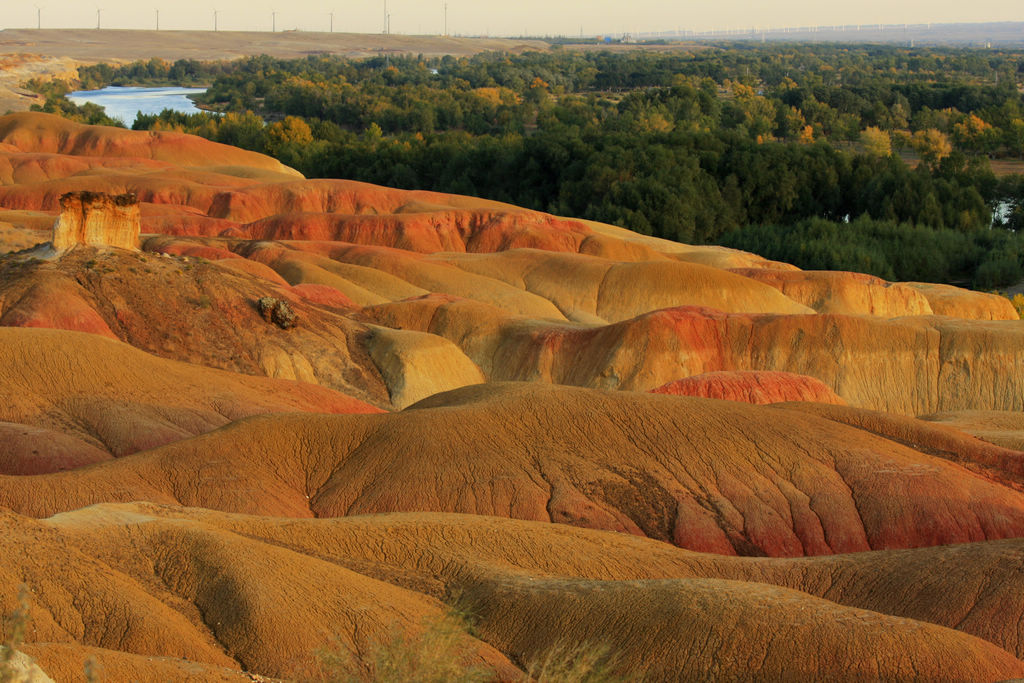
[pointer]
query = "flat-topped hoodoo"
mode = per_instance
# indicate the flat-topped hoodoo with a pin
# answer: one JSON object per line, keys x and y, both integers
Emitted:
{"x": 97, "y": 219}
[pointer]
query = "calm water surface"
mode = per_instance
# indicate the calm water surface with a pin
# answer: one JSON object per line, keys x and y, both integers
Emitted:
{"x": 124, "y": 103}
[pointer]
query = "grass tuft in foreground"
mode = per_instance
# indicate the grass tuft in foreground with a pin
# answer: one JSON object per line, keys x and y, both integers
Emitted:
{"x": 14, "y": 627}
{"x": 440, "y": 655}
{"x": 580, "y": 663}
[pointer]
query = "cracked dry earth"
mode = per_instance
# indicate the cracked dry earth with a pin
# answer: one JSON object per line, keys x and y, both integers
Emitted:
{"x": 716, "y": 466}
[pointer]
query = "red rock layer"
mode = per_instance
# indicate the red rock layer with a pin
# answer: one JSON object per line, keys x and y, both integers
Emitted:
{"x": 752, "y": 387}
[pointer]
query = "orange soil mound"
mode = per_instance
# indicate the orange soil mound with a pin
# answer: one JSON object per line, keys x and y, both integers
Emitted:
{"x": 752, "y": 387}
{"x": 707, "y": 627}
{"x": 379, "y": 274}
{"x": 106, "y": 397}
{"x": 962, "y": 303}
{"x": 23, "y": 229}
{"x": 54, "y": 305}
{"x": 437, "y": 553}
{"x": 838, "y": 292}
{"x": 323, "y": 295}
{"x": 212, "y": 250}
{"x": 614, "y": 291}
{"x": 169, "y": 219}
{"x": 29, "y": 220}
{"x": 235, "y": 201}
{"x": 781, "y": 482}
{"x": 417, "y": 365}
{"x": 482, "y": 230}
{"x": 910, "y": 366}
{"x": 67, "y": 662}
{"x": 999, "y": 462}
{"x": 1003, "y": 428}
{"x": 198, "y": 593}
{"x": 28, "y": 167}
{"x": 157, "y": 569}
{"x": 709, "y": 255}
{"x": 189, "y": 310}
{"x": 50, "y": 134}
{"x": 25, "y": 449}
{"x": 349, "y": 197}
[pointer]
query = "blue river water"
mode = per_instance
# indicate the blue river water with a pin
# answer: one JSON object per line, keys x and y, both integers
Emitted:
{"x": 124, "y": 103}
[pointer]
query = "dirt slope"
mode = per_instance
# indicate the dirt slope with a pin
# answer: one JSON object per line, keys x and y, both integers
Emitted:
{"x": 1003, "y": 428}
{"x": 713, "y": 476}
{"x": 752, "y": 387}
{"x": 908, "y": 365}
{"x": 97, "y": 397}
{"x": 50, "y": 134}
{"x": 655, "y": 606}
{"x": 190, "y": 311}
{"x": 201, "y": 594}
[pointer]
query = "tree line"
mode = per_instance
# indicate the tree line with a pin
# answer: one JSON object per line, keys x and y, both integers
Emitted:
{"x": 731, "y": 144}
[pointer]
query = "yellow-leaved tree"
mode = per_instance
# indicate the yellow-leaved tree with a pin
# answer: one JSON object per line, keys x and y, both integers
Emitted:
{"x": 875, "y": 142}
{"x": 932, "y": 145}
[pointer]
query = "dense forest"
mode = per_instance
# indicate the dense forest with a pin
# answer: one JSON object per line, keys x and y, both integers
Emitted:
{"x": 869, "y": 158}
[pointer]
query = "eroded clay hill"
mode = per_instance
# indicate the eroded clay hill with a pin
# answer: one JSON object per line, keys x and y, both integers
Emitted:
{"x": 713, "y": 476}
{"x": 150, "y": 585}
{"x": 564, "y": 413}
{"x": 456, "y": 290}
{"x": 68, "y": 399}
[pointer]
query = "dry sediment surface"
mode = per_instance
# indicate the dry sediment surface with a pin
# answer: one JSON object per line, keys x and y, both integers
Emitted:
{"x": 1001, "y": 427}
{"x": 105, "y": 399}
{"x": 150, "y": 581}
{"x": 463, "y": 407}
{"x": 713, "y": 476}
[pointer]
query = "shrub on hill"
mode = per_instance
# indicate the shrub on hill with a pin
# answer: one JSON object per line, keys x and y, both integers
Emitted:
{"x": 438, "y": 655}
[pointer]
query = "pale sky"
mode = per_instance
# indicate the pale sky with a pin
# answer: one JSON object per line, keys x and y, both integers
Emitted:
{"x": 493, "y": 17}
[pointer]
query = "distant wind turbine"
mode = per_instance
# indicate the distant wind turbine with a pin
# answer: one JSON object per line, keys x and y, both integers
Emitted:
{"x": 98, "y": 13}
{"x": 39, "y": 17}
{"x": 215, "y": 20}
{"x": 273, "y": 22}
{"x": 157, "y": 10}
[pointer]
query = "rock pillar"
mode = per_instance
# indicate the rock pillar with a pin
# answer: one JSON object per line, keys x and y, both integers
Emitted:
{"x": 97, "y": 219}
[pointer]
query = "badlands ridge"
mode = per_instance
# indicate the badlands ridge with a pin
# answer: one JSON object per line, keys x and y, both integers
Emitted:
{"x": 714, "y": 465}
